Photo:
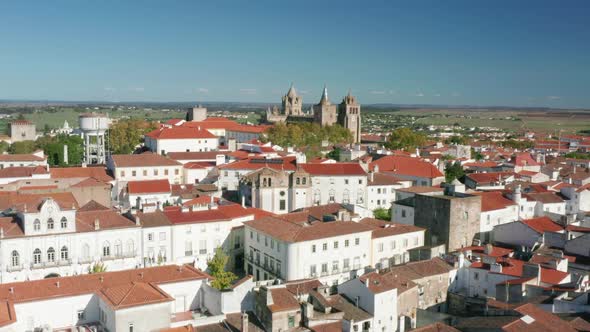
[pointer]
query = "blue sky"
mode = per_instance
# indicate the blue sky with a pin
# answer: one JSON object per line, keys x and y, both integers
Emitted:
{"x": 520, "y": 53}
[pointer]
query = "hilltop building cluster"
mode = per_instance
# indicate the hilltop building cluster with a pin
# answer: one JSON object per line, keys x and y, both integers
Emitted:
{"x": 378, "y": 240}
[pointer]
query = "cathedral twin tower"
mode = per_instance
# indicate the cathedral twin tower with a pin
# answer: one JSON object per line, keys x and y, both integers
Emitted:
{"x": 347, "y": 113}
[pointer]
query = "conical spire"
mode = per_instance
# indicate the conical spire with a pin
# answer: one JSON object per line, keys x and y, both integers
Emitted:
{"x": 325, "y": 99}
{"x": 292, "y": 92}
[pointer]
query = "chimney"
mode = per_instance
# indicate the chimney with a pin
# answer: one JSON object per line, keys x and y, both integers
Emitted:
{"x": 11, "y": 290}
{"x": 96, "y": 224}
{"x": 371, "y": 176}
{"x": 101, "y": 278}
{"x": 244, "y": 322}
{"x": 243, "y": 201}
{"x": 57, "y": 284}
{"x": 137, "y": 221}
{"x": 1, "y": 233}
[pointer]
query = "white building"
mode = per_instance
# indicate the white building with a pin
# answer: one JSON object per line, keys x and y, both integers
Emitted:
{"x": 46, "y": 234}
{"x": 139, "y": 167}
{"x": 293, "y": 247}
{"x": 36, "y": 158}
{"x": 154, "y": 192}
{"x": 180, "y": 139}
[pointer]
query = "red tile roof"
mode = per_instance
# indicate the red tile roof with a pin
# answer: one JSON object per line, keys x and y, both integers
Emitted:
{"x": 283, "y": 300}
{"x": 142, "y": 160}
{"x": 383, "y": 228}
{"x": 98, "y": 173}
{"x": 407, "y": 166}
{"x": 495, "y": 252}
{"x": 133, "y": 294}
{"x": 180, "y": 132}
{"x": 544, "y": 197}
{"x": 20, "y": 157}
{"x": 176, "y": 216}
{"x": 493, "y": 200}
{"x": 24, "y": 171}
{"x": 491, "y": 177}
{"x": 335, "y": 169}
{"x": 537, "y": 320}
{"x": 196, "y": 155}
{"x": 281, "y": 229}
{"x": 32, "y": 202}
{"x": 45, "y": 289}
{"x": 285, "y": 163}
{"x": 148, "y": 187}
{"x": 542, "y": 224}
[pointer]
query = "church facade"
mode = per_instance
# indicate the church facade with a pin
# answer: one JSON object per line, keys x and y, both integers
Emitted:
{"x": 347, "y": 113}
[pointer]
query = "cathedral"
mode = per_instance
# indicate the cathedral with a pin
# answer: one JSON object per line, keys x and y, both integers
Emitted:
{"x": 347, "y": 113}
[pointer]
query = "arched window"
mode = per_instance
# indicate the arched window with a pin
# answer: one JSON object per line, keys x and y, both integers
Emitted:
{"x": 85, "y": 251}
{"x": 297, "y": 180}
{"x": 37, "y": 225}
{"x": 346, "y": 196}
{"x": 64, "y": 253}
{"x": 332, "y": 196}
{"x": 64, "y": 222}
{"x": 130, "y": 247}
{"x": 118, "y": 248}
{"x": 37, "y": 256}
{"x": 50, "y": 223}
{"x": 269, "y": 182}
{"x": 15, "y": 258}
{"x": 264, "y": 182}
{"x": 51, "y": 254}
{"x": 304, "y": 181}
{"x": 106, "y": 249}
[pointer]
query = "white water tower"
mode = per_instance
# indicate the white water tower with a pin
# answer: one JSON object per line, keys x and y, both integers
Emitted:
{"x": 94, "y": 128}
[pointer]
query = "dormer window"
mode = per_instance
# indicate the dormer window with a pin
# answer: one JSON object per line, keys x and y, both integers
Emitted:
{"x": 64, "y": 222}
{"x": 50, "y": 223}
{"x": 37, "y": 225}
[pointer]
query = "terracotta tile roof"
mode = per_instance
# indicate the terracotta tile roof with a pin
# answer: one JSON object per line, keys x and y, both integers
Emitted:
{"x": 199, "y": 155}
{"x": 383, "y": 282}
{"x": 32, "y": 202}
{"x": 580, "y": 229}
{"x": 335, "y": 169}
{"x": 174, "y": 121}
{"x": 153, "y": 219}
{"x": 383, "y": 179}
{"x": 524, "y": 159}
{"x": 544, "y": 197}
{"x": 493, "y": 200}
{"x": 580, "y": 324}
{"x": 233, "y": 210}
{"x": 107, "y": 219}
{"x": 537, "y": 319}
{"x": 133, "y": 294}
{"x": 93, "y": 205}
{"x": 283, "y": 300}
{"x": 176, "y": 216}
{"x": 7, "y": 314}
{"x": 37, "y": 187}
{"x": 491, "y": 177}
{"x": 21, "y": 122}
{"x": 421, "y": 190}
{"x": 328, "y": 327}
{"x": 180, "y": 132}
{"x": 436, "y": 327}
{"x": 421, "y": 269}
{"x": 201, "y": 200}
{"x": 495, "y": 252}
{"x": 199, "y": 165}
{"x": 11, "y": 227}
{"x": 298, "y": 287}
{"x": 20, "y": 157}
{"x": 142, "y": 160}
{"x": 482, "y": 164}
{"x": 148, "y": 187}
{"x": 285, "y": 163}
{"x": 45, "y": 289}
{"x": 212, "y": 123}
{"x": 407, "y": 166}
{"x": 90, "y": 182}
{"x": 287, "y": 231}
{"x": 542, "y": 224}
{"x": 383, "y": 228}
{"x": 21, "y": 172}
{"x": 249, "y": 128}
{"x": 98, "y": 173}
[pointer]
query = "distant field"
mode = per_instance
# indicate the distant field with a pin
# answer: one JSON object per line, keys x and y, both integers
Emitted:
{"x": 548, "y": 121}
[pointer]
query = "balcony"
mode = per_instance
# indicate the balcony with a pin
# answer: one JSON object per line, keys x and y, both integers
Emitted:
{"x": 11, "y": 268}
{"x": 45, "y": 265}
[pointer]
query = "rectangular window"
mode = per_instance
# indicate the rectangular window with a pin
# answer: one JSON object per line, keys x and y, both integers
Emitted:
{"x": 346, "y": 243}
{"x": 405, "y": 243}
{"x": 380, "y": 247}
{"x": 162, "y": 236}
{"x": 334, "y": 266}
{"x": 357, "y": 241}
{"x": 80, "y": 314}
{"x": 282, "y": 204}
{"x": 324, "y": 246}
{"x": 150, "y": 236}
{"x": 202, "y": 247}
{"x": 176, "y": 171}
{"x": 155, "y": 172}
{"x": 312, "y": 271}
{"x": 313, "y": 248}
{"x": 335, "y": 244}
{"x": 133, "y": 173}
{"x": 122, "y": 173}
{"x": 324, "y": 268}
{"x": 346, "y": 264}
{"x": 145, "y": 172}
{"x": 188, "y": 248}
{"x": 166, "y": 171}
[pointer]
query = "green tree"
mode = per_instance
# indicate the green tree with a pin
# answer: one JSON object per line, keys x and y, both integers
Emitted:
{"x": 4, "y": 146}
{"x": 126, "y": 135}
{"x": 478, "y": 156}
{"x": 97, "y": 267}
{"x": 53, "y": 147}
{"x": 461, "y": 140}
{"x": 22, "y": 147}
{"x": 308, "y": 136}
{"x": 334, "y": 154}
{"x": 383, "y": 214}
{"x": 405, "y": 138}
{"x": 216, "y": 267}
{"x": 453, "y": 171}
